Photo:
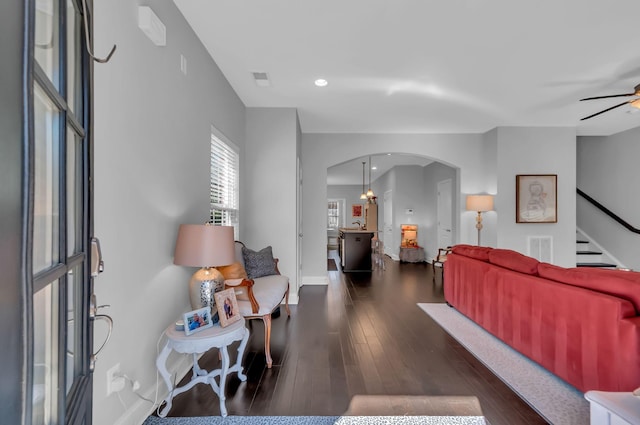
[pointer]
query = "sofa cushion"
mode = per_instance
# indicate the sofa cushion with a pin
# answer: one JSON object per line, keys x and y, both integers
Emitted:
{"x": 269, "y": 291}
{"x": 476, "y": 252}
{"x": 622, "y": 284}
{"x": 233, "y": 271}
{"x": 259, "y": 263}
{"x": 513, "y": 260}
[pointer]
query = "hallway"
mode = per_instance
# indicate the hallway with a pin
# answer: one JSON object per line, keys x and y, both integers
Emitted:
{"x": 361, "y": 334}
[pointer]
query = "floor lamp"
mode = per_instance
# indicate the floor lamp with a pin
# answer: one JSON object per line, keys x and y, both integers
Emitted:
{"x": 479, "y": 203}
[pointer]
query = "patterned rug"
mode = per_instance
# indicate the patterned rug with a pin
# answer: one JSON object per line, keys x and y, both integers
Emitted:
{"x": 319, "y": 420}
{"x": 555, "y": 400}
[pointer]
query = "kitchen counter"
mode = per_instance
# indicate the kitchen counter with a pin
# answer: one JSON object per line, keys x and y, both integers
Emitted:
{"x": 355, "y": 249}
{"x": 354, "y": 230}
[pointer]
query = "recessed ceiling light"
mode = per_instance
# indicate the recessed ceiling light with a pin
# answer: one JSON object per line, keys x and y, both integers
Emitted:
{"x": 374, "y": 168}
{"x": 321, "y": 82}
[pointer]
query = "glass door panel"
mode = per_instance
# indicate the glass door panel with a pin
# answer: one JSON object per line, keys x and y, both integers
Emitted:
{"x": 74, "y": 328}
{"x": 47, "y": 46}
{"x": 46, "y": 203}
{"x": 75, "y": 201}
{"x": 74, "y": 65}
{"x": 59, "y": 197}
{"x": 45, "y": 355}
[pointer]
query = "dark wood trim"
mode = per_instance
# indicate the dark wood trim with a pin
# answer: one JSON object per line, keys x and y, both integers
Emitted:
{"x": 608, "y": 212}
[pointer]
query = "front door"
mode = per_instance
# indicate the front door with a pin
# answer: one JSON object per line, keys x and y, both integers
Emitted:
{"x": 50, "y": 154}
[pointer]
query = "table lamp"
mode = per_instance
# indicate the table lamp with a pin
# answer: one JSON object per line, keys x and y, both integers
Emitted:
{"x": 479, "y": 203}
{"x": 205, "y": 246}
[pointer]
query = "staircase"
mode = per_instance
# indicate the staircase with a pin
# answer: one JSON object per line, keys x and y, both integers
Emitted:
{"x": 589, "y": 254}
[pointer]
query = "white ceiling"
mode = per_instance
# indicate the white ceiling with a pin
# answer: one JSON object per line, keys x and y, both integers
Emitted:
{"x": 428, "y": 66}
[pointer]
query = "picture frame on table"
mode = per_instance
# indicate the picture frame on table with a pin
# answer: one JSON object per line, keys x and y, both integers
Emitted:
{"x": 356, "y": 210}
{"x": 536, "y": 198}
{"x": 197, "y": 320}
{"x": 227, "y": 305}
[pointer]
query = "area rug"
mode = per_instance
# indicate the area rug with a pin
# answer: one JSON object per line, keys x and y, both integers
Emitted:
{"x": 319, "y": 420}
{"x": 555, "y": 400}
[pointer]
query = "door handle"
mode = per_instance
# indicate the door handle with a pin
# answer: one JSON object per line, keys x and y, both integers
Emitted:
{"x": 94, "y": 356}
{"x": 97, "y": 265}
{"x": 93, "y": 308}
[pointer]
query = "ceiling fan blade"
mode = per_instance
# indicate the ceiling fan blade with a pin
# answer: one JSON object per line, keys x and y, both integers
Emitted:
{"x": 608, "y": 96}
{"x": 608, "y": 109}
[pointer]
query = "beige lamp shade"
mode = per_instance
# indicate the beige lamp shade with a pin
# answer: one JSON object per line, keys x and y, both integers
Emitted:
{"x": 204, "y": 245}
{"x": 480, "y": 203}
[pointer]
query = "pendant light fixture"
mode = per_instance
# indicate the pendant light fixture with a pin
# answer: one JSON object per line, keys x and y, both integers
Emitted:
{"x": 370, "y": 193}
{"x": 363, "y": 195}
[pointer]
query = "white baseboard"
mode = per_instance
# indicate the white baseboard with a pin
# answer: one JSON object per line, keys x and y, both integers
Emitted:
{"x": 138, "y": 412}
{"x": 315, "y": 280}
{"x": 293, "y": 298}
{"x": 394, "y": 257}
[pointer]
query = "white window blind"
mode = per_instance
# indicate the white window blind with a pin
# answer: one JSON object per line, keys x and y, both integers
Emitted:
{"x": 224, "y": 184}
{"x": 333, "y": 209}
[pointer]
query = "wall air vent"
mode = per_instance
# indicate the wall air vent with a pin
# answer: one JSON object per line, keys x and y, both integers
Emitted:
{"x": 540, "y": 248}
{"x": 261, "y": 79}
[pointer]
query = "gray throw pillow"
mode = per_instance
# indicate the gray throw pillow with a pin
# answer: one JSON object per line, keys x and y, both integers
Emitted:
{"x": 258, "y": 263}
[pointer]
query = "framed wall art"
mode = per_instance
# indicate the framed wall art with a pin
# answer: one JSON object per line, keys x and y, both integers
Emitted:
{"x": 536, "y": 198}
{"x": 356, "y": 210}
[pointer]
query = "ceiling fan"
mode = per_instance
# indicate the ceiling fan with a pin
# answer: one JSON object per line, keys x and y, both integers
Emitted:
{"x": 633, "y": 102}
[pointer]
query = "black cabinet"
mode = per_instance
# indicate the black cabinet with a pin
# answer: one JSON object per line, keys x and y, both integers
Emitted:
{"x": 355, "y": 251}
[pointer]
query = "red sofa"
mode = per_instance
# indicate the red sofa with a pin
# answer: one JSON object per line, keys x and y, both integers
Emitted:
{"x": 581, "y": 324}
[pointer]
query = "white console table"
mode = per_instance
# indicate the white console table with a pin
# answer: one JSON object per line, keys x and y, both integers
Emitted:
{"x": 213, "y": 337}
{"x": 611, "y": 408}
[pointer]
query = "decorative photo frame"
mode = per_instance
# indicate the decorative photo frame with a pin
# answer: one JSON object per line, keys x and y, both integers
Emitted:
{"x": 356, "y": 210}
{"x": 197, "y": 320}
{"x": 227, "y": 306}
{"x": 536, "y": 198}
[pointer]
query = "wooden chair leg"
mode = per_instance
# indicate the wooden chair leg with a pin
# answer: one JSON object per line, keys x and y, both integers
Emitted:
{"x": 286, "y": 302}
{"x": 267, "y": 339}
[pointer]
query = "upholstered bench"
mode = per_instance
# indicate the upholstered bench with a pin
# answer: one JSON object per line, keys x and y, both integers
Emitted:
{"x": 259, "y": 287}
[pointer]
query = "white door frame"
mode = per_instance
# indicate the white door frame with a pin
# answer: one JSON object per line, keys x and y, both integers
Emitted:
{"x": 444, "y": 213}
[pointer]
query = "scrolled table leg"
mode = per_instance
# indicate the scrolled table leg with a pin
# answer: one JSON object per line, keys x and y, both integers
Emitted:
{"x": 162, "y": 369}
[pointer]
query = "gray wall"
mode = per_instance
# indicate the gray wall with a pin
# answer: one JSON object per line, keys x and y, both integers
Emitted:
{"x": 269, "y": 194}
{"x": 407, "y": 185}
{"x": 414, "y": 187}
{"x": 608, "y": 172}
{"x": 522, "y": 150}
{"x": 152, "y": 148}
{"x": 434, "y": 173}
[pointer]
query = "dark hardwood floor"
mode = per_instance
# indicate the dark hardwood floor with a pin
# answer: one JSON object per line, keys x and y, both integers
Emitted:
{"x": 361, "y": 334}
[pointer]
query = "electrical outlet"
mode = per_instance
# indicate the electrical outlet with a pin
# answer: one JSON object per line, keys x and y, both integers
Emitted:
{"x": 115, "y": 382}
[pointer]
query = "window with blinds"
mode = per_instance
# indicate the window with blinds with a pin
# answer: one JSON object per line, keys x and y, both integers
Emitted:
{"x": 333, "y": 209}
{"x": 224, "y": 184}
